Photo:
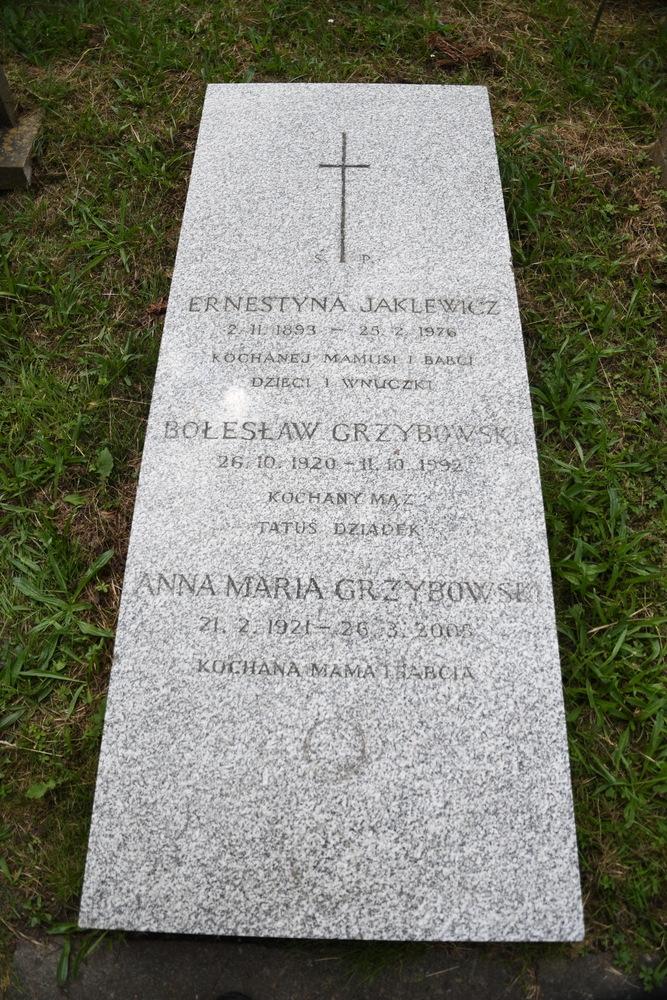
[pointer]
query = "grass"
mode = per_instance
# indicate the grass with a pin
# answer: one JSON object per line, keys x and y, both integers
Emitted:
{"x": 86, "y": 258}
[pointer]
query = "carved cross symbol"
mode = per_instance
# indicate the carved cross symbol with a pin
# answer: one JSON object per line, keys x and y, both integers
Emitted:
{"x": 343, "y": 166}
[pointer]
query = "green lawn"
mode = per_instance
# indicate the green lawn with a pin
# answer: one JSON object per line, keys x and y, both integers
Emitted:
{"x": 86, "y": 259}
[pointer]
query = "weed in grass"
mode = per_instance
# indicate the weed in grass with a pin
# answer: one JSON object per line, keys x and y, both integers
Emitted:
{"x": 84, "y": 275}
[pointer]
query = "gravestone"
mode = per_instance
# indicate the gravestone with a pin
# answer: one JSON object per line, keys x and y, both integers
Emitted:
{"x": 17, "y": 136}
{"x": 335, "y": 707}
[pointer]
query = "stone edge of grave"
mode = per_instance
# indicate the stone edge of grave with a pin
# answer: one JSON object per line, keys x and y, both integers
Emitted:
{"x": 160, "y": 966}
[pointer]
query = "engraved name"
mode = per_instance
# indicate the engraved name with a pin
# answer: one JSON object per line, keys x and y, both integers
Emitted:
{"x": 356, "y": 432}
{"x": 253, "y": 586}
{"x": 395, "y": 304}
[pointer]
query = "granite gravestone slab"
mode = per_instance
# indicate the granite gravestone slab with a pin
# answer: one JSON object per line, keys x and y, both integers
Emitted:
{"x": 335, "y": 707}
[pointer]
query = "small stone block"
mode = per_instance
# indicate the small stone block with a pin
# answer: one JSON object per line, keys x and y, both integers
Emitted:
{"x": 658, "y": 155}
{"x": 15, "y": 149}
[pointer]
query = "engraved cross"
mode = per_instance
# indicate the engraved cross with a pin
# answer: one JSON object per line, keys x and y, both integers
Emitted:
{"x": 343, "y": 166}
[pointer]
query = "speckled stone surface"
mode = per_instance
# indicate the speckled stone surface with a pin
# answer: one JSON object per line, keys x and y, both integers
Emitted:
{"x": 335, "y": 707}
